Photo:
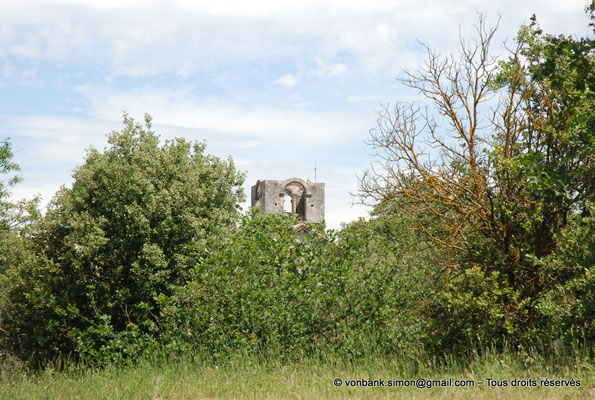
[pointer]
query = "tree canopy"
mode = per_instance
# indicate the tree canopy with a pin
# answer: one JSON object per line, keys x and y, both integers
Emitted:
{"x": 496, "y": 187}
{"x": 124, "y": 234}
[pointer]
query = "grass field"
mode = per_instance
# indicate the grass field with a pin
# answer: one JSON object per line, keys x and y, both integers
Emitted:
{"x": 245, "y": 378}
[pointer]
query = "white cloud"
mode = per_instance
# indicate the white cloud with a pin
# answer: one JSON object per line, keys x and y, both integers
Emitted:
{"x": 45, "y": 192}
{"x": 366, "y": 98}
{"x": 336, "y": 70}
{"x": 332, "y": 70}
{"x": 235, "y": 119}
{"x": 134, "y": 38}
{"x": 288, "y": 80}
{"x": 49, "y": 148}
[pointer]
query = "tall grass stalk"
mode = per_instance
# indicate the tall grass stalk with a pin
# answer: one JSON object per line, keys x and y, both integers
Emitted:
{"x": 244, "y": 376}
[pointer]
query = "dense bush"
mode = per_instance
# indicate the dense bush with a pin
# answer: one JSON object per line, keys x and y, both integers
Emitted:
{"x": 116, "y": 240}
{"x": 480, "y": 307}
{"x": 266, "y": 289}
{"x": 567, "y": 307}
{"x": 16, "y": 222}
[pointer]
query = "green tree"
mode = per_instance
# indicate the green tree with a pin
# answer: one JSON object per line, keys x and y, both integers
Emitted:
{"x": 16, "y": 222}
{"x": 6, "y": 166}
{"x": 551, "y": 83}
{"x": 493, "y": 188}
{"x": 13, "y": 215}
{"x": 120, "y": 237}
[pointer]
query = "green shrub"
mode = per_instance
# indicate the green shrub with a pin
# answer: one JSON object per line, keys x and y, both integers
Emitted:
{"x": 476, "y": 310}
{"x": 267, "y": 290}
{"x": 567, "y": 307}
{"x": 113, "y": 243}
{"x": 480, "y": 308}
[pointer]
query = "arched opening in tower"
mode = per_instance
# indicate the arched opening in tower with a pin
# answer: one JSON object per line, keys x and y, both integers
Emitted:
{"x": 287, "y": 204}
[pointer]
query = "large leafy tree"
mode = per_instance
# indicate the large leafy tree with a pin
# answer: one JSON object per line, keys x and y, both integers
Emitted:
{"x": 121, "y": 236}
{"x": 495, "y": 188}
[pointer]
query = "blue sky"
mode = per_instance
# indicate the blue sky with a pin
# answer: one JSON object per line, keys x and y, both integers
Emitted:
{"x": 276, "y": 85}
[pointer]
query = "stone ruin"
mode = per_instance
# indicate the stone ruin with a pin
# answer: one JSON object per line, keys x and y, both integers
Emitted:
{"x": 291, "y": 196}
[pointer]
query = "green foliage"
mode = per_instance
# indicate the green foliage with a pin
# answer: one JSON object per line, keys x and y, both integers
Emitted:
{"x": 7, "y": 166}
{"x": 13, "y": 216}
{"x": 102, "y": 344}
{"x": 490, "y": 243}
{"x": 480, "y": 306}
{"x": 16, "y": 220}
{"x": 548, "y": 176}
{"x": 507, "y": 199}
{"x": 475, "y": 309}
{"x": 115, "y": 241}
{"x": 267, "y": 290}
{"x": 548, "y": 168}
{"x": 543, "y": 284}
{"x": 567, "y": 307}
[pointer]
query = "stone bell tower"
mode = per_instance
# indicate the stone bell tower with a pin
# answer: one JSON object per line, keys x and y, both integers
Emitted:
{"x": 291, "y": 196}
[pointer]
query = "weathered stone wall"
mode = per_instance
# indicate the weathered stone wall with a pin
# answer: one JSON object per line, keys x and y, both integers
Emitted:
{"x": 307, "y": 198}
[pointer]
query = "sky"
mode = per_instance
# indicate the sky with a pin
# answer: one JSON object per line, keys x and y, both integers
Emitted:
{"x": 280, "y": 86}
